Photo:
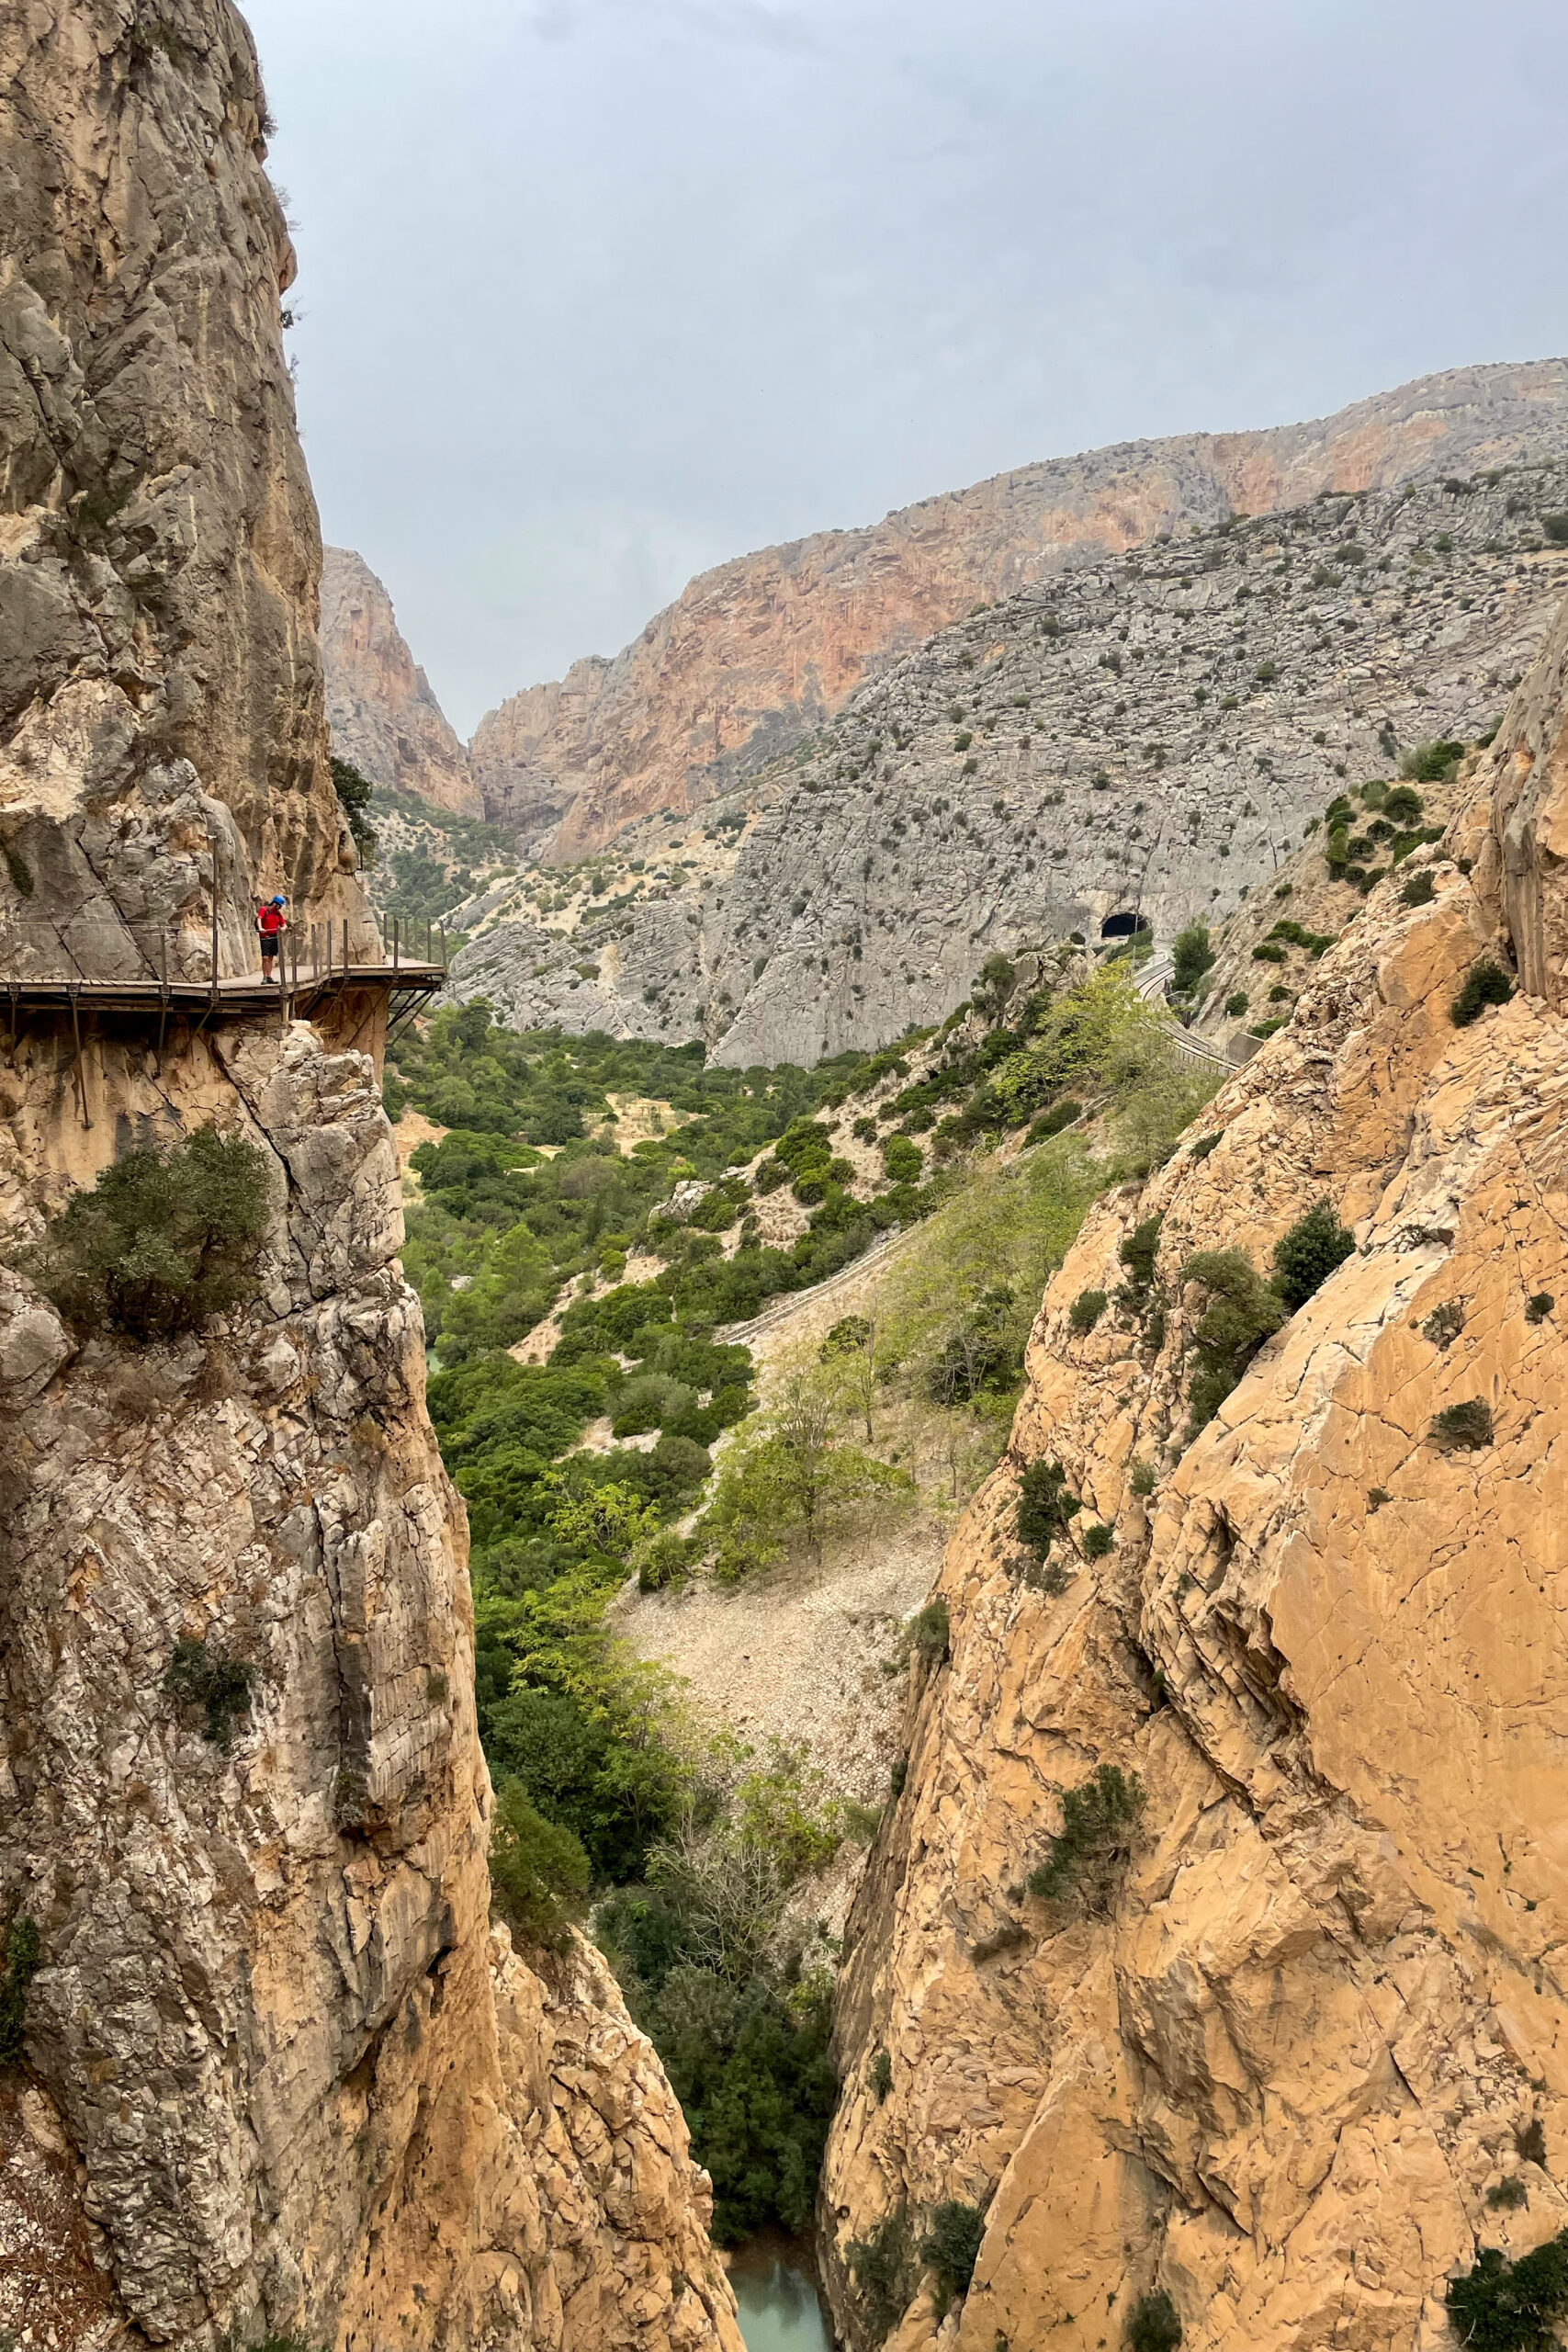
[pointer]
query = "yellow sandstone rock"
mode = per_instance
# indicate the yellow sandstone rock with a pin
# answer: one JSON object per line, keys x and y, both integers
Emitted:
{"x": 1318, "y": 2015}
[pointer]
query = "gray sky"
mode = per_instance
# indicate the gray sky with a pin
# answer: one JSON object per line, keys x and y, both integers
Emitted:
{"x": 594, "y": 293}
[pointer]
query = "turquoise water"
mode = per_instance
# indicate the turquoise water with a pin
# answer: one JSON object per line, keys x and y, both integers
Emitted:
{"x": 780, "y": 2310}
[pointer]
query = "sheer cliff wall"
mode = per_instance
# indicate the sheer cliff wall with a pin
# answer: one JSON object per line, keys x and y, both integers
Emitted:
{"x": 279, "y": 2076}
{"x": 1280, "y": 2064}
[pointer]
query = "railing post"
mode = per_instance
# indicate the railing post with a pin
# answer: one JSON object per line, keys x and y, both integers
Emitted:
{"x": 394, "y": 943}
{"x": 212, "y": 851}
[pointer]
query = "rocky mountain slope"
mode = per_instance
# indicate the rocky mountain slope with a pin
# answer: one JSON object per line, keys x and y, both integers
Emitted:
{"x": 160, "y": 681}
{"x": 277, "y": 2076}
{"x": 754, "y": 654}
{"x": 1146, "y": 737}
{"x": 383, "y": 715}
{"x": 1280, "y": 2035}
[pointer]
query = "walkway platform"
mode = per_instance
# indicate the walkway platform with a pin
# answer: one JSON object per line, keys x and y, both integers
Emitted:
{"x": 301, "y": 992}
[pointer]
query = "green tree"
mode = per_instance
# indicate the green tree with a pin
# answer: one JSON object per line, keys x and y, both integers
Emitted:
{"x": 166, "y": 1240}
{"x": 1308, "y": 1254}
{"x": 1191, "y": 955}
{"x": 539, "y": 1872}
{"x": 1241, "y": 1313}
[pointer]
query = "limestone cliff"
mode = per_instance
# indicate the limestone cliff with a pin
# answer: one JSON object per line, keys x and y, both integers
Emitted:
{"x": 755, "y": 654}
{"x": 160, "y": 682}
{"x": 380, "y": 710}
{"x": 1310, "y": 2050}
{"x": 279, "y": 2076}
{"x": 1151, "y": 735}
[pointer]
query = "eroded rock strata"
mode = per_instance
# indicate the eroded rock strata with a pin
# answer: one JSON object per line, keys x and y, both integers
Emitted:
{"x": 758, "y": 652}
{"x": 1150, "y": 735}
{"x": 1281, "y": 2067}
{"x": 279, "y": 2075}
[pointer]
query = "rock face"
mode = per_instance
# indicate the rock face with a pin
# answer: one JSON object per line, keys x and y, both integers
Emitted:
{"x": 1278, "y": 2062}
{"x": 160, "y": 682}
{"x": 760, "y": 651}
{"x": 380, "y": 710}
{"x": 1149, "y": 737}
{"x": 280, "y": 2077}
{"x": 290, "y": 2071}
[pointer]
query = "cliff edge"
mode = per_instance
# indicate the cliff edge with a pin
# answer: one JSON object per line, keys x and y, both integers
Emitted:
{"x": 1288, "y": 2043}
{"x": 279, "y": 2078}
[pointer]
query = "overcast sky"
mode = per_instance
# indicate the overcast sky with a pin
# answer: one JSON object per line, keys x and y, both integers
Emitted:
{"x": 594, "y": 293}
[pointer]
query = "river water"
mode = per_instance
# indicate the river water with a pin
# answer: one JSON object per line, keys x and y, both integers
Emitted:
{"x": 776, "y": 2291}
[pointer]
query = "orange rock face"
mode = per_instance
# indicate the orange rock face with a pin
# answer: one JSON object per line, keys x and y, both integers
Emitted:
{"x": 381, "y": 711}
{"x": 1278, "y": 2063}
{"x": 757, "y": 652}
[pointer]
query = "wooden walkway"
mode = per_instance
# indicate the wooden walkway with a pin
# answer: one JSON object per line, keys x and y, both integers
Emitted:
{"x": 301, "y": 990}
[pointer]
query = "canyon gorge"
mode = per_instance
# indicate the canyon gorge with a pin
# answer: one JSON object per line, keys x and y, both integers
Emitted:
{"x": 1139, "y": 1802}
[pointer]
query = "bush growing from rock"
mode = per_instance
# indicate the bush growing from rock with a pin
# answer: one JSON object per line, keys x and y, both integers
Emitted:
{"x": 1237, "y": 1004}
{"x": 1153, "y": 2325}
{"x": 1045, "y": 1506}
{"x": 952, "y": 2244}
{"x": 882, "y": 2265}
{"x": 165, "y": 1240}
{"x": 1308, "y": 1254}
{"x": 1095, "y": 1840}
{"x": 539, "y": 1872}
{"x": 1191, "y": 955}
{"x": 1503, "y": 2306}
{"x": 1419, "y": 890}
{"x": 1485, "y": 983}
{"x": 1086, "y": 1310}
{"x": 1539, "y": 1306}
{"x": 1466, "y": 1426}
{"x": 1243, "y": 1311}
{"x": 20, "y": 1966}
{"x": 881, "y": 2077}
{"x": 1096, "y": 1543}
{"x": 219, "y": 1686}
{"x": 1444, "y": 1324}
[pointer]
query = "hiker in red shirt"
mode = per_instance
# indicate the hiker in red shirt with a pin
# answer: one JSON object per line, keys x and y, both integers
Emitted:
{"x": 271, "y": 924}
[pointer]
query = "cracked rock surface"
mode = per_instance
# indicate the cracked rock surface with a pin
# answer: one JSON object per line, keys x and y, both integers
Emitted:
{"x": 281, "y": 2064}
{"x": 1276, "y": 2064}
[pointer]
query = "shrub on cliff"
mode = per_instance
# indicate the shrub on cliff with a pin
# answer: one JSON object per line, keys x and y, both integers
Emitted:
{"x": 1503, "y": 2306}
{"x": 219, "y": 1686}
{"x": 1243, "y": 1311}
{"x": 1095, "y": 1841}
{"x": 1308, "y": 1254}
{"x": 20, "y": 1966}
{"x": 952, "y": 2244}
{"x": 1045, "y": 1506}
{"x": 165, "y": 1240}
{"x": 1153, "y": 2325}
{"x": 1485, "y": 983}
{"x": 1191, "y": 955}
{"x": 882, "y": 2265}
{"x": 539, "y": 1872}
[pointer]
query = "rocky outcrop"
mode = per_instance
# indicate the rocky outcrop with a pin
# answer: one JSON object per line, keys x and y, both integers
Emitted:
{"x": 285, "y": 2071}
{"x": 280, "y": 2078}
{"x": 1307, "y": 2048}
{"x": 382, "y": 714}
{"x": 760, "y": 651}
{"x": 159, "y": 687}
{"x": 1150, "y": 737}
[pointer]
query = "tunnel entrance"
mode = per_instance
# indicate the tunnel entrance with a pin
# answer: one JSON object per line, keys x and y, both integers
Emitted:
{"x": 1124, "y": 925}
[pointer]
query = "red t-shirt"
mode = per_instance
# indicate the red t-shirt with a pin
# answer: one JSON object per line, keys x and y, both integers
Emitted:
{"x": 270, "y": 922}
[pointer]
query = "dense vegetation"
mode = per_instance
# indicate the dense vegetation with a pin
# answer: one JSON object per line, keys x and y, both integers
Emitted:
{"x": 528, "y": 1208}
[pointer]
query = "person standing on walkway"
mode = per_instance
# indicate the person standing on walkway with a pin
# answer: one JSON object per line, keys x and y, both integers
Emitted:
{"x": 272, "y": 922}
